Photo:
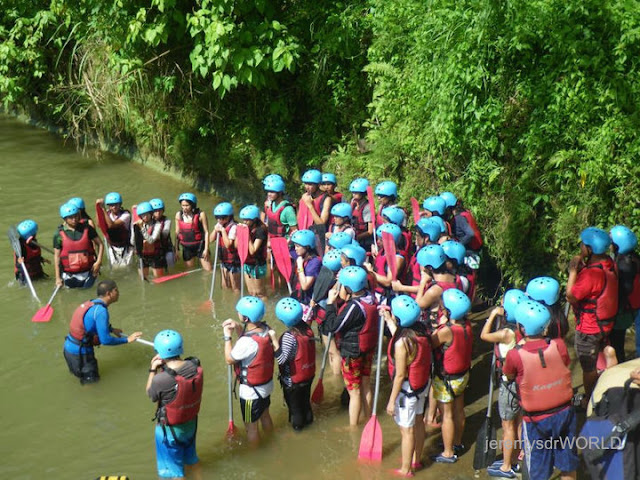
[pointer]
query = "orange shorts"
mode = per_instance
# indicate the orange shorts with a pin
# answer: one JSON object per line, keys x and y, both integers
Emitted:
{"x": 353, "y": 369}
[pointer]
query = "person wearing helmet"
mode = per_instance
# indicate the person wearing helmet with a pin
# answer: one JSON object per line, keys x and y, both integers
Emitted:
{"x": 540, "y": 368}
{"x": 31, "y": 253}
{"x": 176, "y": 386}
{"x": 397, "y": 216}
{"x": 89, "y": 327}
{"x": 315, "y": 200}
{"x": 435, "y": 279}
{"x": 463, "y": 224}
{"x": 75, "y": 244}
{"x": 307, "y": 265}
{"x": 253, "y": 358}
{"x": 328, "y": 186}
{"x": 465, "y": 277}
{"x": 592, "y": 290}
{"x": 296, "y": 357}
{"x": 82, "y": 208}
{"x": 452, "y": 341}
{"x": 361, "y": 213}
{"x": 380, "y": 268}
{"x": 279, "y": 214}
{"x": 501, "y": 330}
{"x": 165, "y": 236}
{"x": 255, "y": 267}
{"x": 355, "y": 326}
{"x": 409, "y": 365}
{"x": 118, "y": 229}
{"x": 387, "y": 194}
{"x": 147, "y": 236}
{"x": 224, "y": 234}
{"x": 624, "y": 243}
{"x": 192, "y": 232}
{"x": 341, "y": 220}
{"x": 546, "y": 290}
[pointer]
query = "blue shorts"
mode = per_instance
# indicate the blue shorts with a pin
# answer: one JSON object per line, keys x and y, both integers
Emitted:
{"x": 550, "y": 443}
{"x": 172, "y": 456}
{"x": 256, "y": 271}
{"x": 231, "y": 267}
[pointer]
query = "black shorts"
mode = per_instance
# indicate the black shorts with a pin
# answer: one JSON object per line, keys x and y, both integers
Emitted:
{"x": 83, "y": 366}
{"x": 154, "y": 262}
{"x": 252, "y": 410}
{"x": 192, "y": 252}
{"x": 588, "y": 347}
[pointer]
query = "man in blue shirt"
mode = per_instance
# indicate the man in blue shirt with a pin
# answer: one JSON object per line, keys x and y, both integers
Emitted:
{"x": 90, "y": 326}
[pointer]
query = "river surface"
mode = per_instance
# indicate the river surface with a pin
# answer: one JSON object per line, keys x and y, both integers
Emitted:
{"x": 54, "y": 428}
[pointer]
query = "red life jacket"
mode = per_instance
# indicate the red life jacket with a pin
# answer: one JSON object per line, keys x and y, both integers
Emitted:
{"x": 634, "y": 295}
{"x": 420, "y": 367}
{"x": 605, "y": 306}
{"x": 337, "y": 197}
{"x": 379, "y": 218}
{"x": 260, "y": 370}
{"x": 228, "y": 255}
{"x": 260, "y": 256}
{"x": 368, "y": 334}
{"x": 151, "y": 249}
{"x": 358, "y": 224}
{"x": 318, "y": 203}
{"x": 545, "y": 386}
{"x": 190, "y": 234}
{"x": 476, "y": 241}
{"x": 455, "y": 359}
{"x": 275, "y": 226}
{"x": 413, "y": 274}
{"x": 77, "y": 255}
{"x": 408, "y": 246}
{"x": 186, "y": 404}
{"x": 303, "y": 366}
{"x": 120, "y": 235}
{"x": 76, "y": 326}
{"x": 380, "y": 266}
{"x": 32, "y": 260}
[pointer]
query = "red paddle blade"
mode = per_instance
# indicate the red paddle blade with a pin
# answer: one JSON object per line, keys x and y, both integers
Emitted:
{"x": 134, "y": 213}
{"x": 372, "y": 205}
{"x": 242, "y": 236}
{"x": 102, "y": 221}
{"x": 43, "y": 315}
{"x": 281, "y": 255}
{"x": 304, "y": 216}
{"x": 415, "y": 209}
{"x": 231, "y": 430}
{"x": 390, "y": 253}
{"x": 371, "y": 441}
{"x": 318, "y": 393}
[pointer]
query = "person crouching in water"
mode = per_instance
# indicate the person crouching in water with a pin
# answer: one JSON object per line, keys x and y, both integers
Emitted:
{"x": 409, "y": 363}
{"x": 224, "y": 233}
{"x": 356, "y": 328}
{"x": 147, "y": 234}
{"x": 252, "y": 355}
{"x": 452, "y": 342}
{"x": 176, "y": 385}
{"x": 31, "y": 253}
{"x": 296, "y": 357}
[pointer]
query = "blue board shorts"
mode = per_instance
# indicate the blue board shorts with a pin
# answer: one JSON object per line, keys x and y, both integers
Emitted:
{"x": 172, "y": 455}
{"x": 256, "y": 271}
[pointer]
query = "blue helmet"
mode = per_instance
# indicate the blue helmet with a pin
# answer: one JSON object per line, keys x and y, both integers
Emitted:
{"x": 271, "y": 177}
{"x": 329, "y": 178}
{"x": 427, "y": 228}
{"x": 354, "y": 252}
{"x": 68, "y": 210}
{"x": 439, "y": 222}
{"x": 157, "y": 204}
{"x": 27, "y": 228}
{"x": 624, "y": 239}
{"x": 189, "y": 197}
{"x": 78, "y": 202}
{"x": 354, "y": 278}
{"x": 306, "y": 238}
{"x": 545, "y": 290}
{"x": 273, "y": 184}
{"x": 312, "y": 176}
{"x": 340, "y": 239}
{"x": 456, "y": 302}
{"x": 250, "y": 212}
{"x": 289, "y": 311}
{"x": 595, "y": 238}
{"x": 251, "y": 307}
{"x": 512, "y": 298}
{"x": 391, "y": 228}
{"x": 455, "y": 251}
{"x": 144, "y": 207}
{"x": 533, "y": 316}
{"x": 405, "y": 309}
{"x": 387, "y": 189}
{"x": 431, "y": 256}
{"x": 449, "y": 199}
{"x": 331, "y": 260}
{"x": 435, "y": 205}
{"x": 168, "y": 344}
{"x": 359, "y": 185}
{"x": 341, "y": 209}
{"x": 394, "y": 215}
{"x": 112, "y": 198}
{"x": 224, "y": 209}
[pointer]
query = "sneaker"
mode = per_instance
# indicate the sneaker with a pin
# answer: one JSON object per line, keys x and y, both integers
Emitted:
{"x": 496, "y": 472}
{"x": 498, "y": 463}
{"x": 442, "y": 459}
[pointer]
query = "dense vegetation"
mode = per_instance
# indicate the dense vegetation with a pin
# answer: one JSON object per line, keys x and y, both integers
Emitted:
{"x": 526, "y": 109}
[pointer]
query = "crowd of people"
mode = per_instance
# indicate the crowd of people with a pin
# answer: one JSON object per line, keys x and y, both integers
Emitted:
{"x": 352, "y": 268}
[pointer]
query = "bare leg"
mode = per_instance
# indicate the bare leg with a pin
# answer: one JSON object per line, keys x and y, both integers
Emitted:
{"x": 366, "y": 396}
{"x": 354, "y": 406}
{"x": 335, "y": 360}
{"x": 508, "y": 444}
{"x": 408, "y": 446}
{"x": 265, "y": 420}
{"x": 253, "y": 435}
{"x": 459, "y": 419}
{"x": 448, "y": 428}
{"x": 193, "y": 471}
{"x": 568, "y": 475}
{"x": 206, "y": 265}
{"x": 419, "y": 435}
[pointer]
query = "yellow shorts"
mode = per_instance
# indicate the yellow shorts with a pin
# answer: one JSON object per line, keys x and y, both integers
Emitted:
{"x": 443, "y": 394}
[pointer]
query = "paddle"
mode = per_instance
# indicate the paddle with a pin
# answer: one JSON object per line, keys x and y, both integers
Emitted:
{"x": 305, "y": 219}
{"x": 45, "y": 313}
{"x": 271, "y": 273}
{"x": 102, "y": 221}
{"x": 14, "y": 238}
{"x": 415, "y": 209}
{"x": 318, "y": 392}
{"x": 324, "y": 281}
{"x": 231, "y": 429}
{"x": 166, "y": 278}
{"x": 215, "y": 264}
{"x": 280, "y": 250}
{"x": 371, "y": 440}
{"x": 144, "y": 342}
{"x": 485, "y": 452}
{"x": 242, "y": 236}
{"x": 372, "y": 210}
{"x": 390, "y": 253}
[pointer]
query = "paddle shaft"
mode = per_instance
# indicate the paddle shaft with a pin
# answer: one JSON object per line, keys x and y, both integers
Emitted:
{"x": 14, "y": 238}
{"x": 46, "y": 249}
{"x": 378, "y": 362}
{"x": 55, "y": 292}
{"x": 215, "y": 264}
{"x": 144, "y": 342}
{"x": 166, "y": 278}
{"x": 491, "y": 374}
{"x": 325, "y": 354}
{"x": 230, "y": 392}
